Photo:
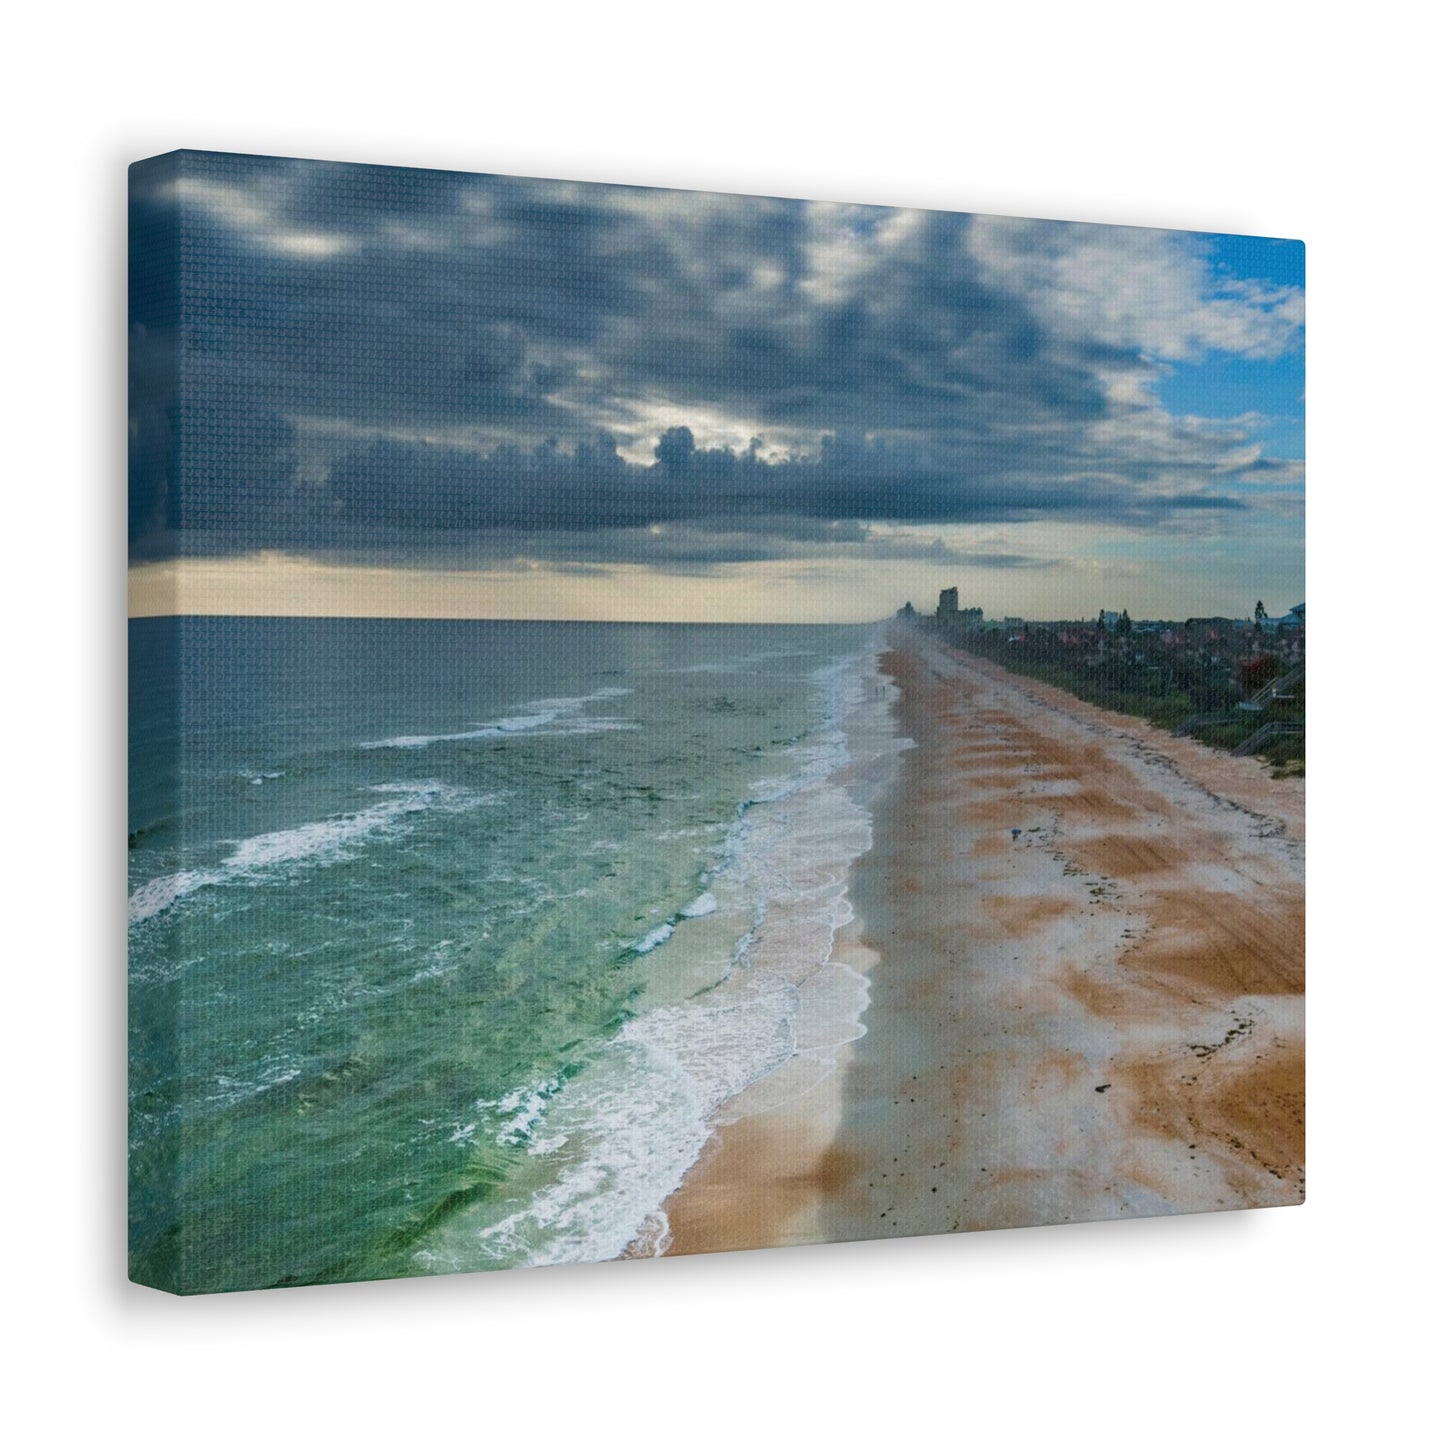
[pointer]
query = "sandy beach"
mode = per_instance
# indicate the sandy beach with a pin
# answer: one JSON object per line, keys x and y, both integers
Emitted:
{"x": 1099, "y": 1018}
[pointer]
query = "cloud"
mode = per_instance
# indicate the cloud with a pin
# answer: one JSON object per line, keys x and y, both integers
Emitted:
{"x": 428, "y": 357}
{"x": 248, "y": 213}
{"x": 1143, "y": 291}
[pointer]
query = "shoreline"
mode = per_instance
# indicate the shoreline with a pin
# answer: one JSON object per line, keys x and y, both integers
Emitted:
{"x": 777, "y": 1132}
{"x": 1102, "y": 1018}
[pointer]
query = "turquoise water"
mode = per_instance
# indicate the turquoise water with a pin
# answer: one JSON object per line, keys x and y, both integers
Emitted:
{"x": 444, "y": 935}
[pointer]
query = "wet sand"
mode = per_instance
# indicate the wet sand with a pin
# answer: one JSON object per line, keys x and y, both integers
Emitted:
{"x": 1104, "y": 1017}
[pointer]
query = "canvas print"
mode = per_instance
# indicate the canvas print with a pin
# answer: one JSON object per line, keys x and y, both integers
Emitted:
{"x": 665, "y": 722}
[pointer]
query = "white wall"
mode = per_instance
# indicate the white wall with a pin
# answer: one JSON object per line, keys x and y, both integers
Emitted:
{"x": 1232, "y": 117}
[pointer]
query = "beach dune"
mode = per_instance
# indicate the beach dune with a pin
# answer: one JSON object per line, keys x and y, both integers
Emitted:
{"x": 1102, "y": 1016}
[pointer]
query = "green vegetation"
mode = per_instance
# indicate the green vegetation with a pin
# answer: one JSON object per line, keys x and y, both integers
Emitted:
{"x": 1197, "y": 672}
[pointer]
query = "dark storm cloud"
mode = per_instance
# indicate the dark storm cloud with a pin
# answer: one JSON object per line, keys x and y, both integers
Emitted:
{"x": 369, "y": 352}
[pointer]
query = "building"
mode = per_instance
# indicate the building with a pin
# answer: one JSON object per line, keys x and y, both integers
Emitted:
{"x": 948, "y": 602}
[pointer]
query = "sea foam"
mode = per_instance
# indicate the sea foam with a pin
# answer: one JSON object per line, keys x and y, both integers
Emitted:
{"x": 701, "y": 906}
{"x": 655, "y": 939}
{"x": 629, "y": 1125}
{"x": 548, "y": 716}
{"x": 326, "y": 840}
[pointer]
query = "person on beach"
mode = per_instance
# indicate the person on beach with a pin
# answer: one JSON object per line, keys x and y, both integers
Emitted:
{"x": 1016, "y": 832}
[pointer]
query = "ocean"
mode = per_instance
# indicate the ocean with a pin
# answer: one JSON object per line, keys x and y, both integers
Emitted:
{"x": 450, "y": 941}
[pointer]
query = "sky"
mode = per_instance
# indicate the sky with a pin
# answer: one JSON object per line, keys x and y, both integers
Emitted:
{"x": 384, "y": 392}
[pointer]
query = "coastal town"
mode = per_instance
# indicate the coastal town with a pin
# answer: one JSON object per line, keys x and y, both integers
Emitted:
{"x": 1234, "y": 683}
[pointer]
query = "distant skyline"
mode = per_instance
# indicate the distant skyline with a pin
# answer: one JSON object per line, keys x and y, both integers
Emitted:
{"x": 425, "y": 393}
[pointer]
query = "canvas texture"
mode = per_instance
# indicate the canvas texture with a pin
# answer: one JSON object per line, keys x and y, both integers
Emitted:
{"x": 665, "y": 722}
